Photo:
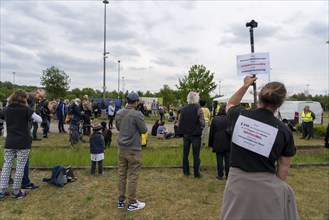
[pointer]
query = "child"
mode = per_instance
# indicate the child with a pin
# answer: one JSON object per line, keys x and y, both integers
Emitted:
{"x": 97, "y": 145}
{"x": 18, "y": 141}
{"x": 107, "y": 134}
{"x": 162, "y": 131}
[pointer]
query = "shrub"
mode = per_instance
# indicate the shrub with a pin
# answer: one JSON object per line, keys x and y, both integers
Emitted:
{"x": 319, "y": 130}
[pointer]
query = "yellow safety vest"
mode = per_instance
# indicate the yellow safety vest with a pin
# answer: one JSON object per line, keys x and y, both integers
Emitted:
{"x": 307, "y": 117}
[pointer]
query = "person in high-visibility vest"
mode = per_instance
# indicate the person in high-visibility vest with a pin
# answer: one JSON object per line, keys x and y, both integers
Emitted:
{"x": 307, "y": 123}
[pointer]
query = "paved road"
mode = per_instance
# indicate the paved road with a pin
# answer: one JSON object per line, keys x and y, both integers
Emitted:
{"x": 54, "y": 127}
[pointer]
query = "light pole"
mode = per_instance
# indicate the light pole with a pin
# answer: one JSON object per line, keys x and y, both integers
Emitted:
{"x": 219, "y": 87}
{"x": 14, "y": 79}
{"x": 118, "y": 79}
{"x": 104, "y": 53}
{"x": 307, "y": 85}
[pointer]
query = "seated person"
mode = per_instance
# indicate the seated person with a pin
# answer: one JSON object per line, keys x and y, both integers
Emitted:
{"x": 162, "y": 131}
{"x": 155, "y": 128}
{"x": 176, "y": 129}
{"x": 171, "y": 115}
{"x": 107, "y": 134}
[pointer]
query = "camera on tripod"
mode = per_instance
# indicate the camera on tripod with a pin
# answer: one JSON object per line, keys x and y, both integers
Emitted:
{"x": 252, "y": 24}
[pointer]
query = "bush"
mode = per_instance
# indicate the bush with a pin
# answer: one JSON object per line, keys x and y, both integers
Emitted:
{"x": 319, "y": 130}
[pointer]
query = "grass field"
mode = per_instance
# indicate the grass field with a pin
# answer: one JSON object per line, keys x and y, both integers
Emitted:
{"x": 167, "y": 193}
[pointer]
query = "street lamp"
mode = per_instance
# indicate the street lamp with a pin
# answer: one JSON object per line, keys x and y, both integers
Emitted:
{"x": 219, "y": 87}
{"x": 104, "y": 53}
{"x": 118, "y": 79}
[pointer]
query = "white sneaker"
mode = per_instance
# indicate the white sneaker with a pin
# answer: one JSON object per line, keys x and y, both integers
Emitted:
{"x": 135, "y": 206}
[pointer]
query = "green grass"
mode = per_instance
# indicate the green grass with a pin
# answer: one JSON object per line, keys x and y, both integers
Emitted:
{"x": 56, "y": 150}
{"x": 167, "y": 194}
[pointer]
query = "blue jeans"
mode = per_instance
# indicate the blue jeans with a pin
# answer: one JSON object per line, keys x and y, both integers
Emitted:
{"x": 61, "y": 123}
{"x": 26, "y": 180}
{"x": 220, "y": 156}
{"x": 35, "y": 129}
{"x": 196, "y": 145}
{"x": 46, "y": 128}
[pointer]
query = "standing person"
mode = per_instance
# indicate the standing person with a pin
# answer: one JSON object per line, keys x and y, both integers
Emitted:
{"x": 207, "y": 117}
{"x": 18, "y": 141}
{"x": 179, "y": 108}
{"x": 220, "y": 141}
{"x": 33, "y": 101}
{"x": 61, "y": 113}
{"x": 191, "y": 123}
{"x": 161, "y": 112}
{"x": 97, "y": 145}
{"x": 103, "y": 109}
{"x": 326, "y": 138}
{"x": 45, "y": 115}
{"x": 131, "y": 125}
{"x": 111, "y": 112}
{"x": 261, "y": 151}
{"x": 154, "y": 109}
{"x": 87, "y": 110}
{"x": 307, "y": 123}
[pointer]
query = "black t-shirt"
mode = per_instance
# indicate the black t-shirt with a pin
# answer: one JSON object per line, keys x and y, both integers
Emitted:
{"x": 252, "y": 162}
{"x": 17, "y": 121}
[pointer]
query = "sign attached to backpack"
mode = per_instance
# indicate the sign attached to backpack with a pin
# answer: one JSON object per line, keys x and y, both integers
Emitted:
{"x": 253, "y": 64}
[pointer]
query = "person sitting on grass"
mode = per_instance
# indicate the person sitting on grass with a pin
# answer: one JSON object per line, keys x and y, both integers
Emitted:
{"x": 162, "y": 131}
{"x": 97, "y": 145}
{"x": 18, "y": 141}
{"x": 155, "y": 128}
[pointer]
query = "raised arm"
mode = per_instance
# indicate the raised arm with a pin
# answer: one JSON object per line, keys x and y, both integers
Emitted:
{"x": 238, "y": 95}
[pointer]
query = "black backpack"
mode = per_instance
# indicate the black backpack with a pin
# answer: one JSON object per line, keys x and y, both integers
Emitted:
{"x": 60, "y": 176}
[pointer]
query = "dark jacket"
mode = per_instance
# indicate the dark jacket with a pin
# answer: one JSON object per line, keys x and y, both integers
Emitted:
{"x": 191, "y": 121}
{"x": 18, "y": 131}
{"x": 154, "y": 129}
{"x": 97, "y": 143}
{"x": 61, "y": 110}
{"x": 219, "y": 138}
{"x": 76, "y": 112}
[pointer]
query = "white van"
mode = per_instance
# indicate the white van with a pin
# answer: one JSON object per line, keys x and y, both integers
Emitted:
{"x": 292, "y": 111}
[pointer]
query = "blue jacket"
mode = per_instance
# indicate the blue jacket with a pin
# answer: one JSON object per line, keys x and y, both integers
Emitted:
{"x": 97, "y": 143}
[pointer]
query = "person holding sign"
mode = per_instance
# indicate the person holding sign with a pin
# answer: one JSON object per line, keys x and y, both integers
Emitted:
{"x": 261, "y": 151}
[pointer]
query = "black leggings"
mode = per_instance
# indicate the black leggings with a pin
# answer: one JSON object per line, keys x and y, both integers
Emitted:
{"x": 100, "y": 167}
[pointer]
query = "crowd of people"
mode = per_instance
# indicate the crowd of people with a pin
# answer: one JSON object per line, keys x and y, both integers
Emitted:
{"x": 255, "y": 146}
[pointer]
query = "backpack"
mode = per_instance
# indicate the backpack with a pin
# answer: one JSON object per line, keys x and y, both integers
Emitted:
{"x": 60, "y": 176}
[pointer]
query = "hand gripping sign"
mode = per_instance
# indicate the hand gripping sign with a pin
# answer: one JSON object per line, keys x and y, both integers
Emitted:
{"x": 254, "y": 135}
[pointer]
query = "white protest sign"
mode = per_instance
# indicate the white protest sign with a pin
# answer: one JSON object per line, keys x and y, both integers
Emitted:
{"x": 253, "y": 64}
{"x": 254, "y": 135}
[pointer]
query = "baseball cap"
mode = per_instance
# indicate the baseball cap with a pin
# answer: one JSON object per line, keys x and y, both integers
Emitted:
{"x": 133, "y": 96}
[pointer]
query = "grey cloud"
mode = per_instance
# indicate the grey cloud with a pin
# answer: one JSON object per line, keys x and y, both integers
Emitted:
{"x": 317, "y": 30}
{"x": 164, "y": 61}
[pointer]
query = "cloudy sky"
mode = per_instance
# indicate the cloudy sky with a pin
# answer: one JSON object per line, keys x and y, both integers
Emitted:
{"x": 158, "y": 41}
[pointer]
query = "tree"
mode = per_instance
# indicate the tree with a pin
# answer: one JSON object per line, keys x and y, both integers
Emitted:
{"x": 55, "y": 81}
{"x": 167, "y": 94}
{"x": 200, "y": 80}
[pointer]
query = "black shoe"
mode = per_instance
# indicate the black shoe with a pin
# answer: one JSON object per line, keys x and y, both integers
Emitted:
{"x": 45, "y": 136}
{"x": 31, "y": 186}
{"x": 36, "y": 139}
{"x": 219, "y": 177}
{"x": 198, "y": 176}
